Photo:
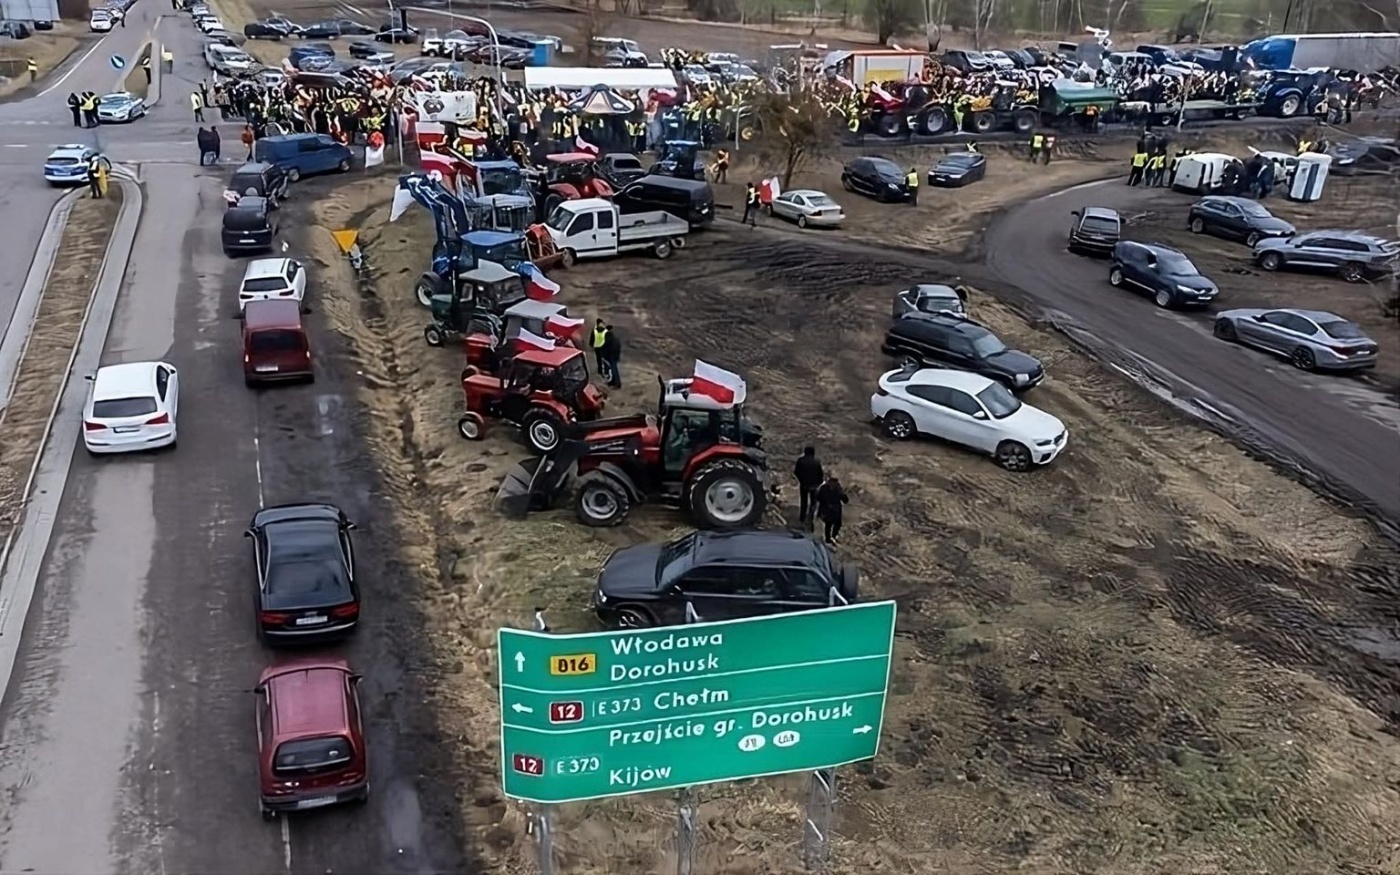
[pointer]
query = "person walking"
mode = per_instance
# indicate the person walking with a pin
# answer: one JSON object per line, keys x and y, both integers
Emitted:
{"x": 89, "y": 109}
{"x": 808, "y": 472}
{"x": 750, "y": 206}
{"x": 249, "y": 137}
{"x": 612, "y": 354}
{"x": 911, "y": 182}
{"x": 32, "y": 66}
{"x": 146, "y": 67}
{"x": 205, "y": 143}
{"x": 596, "y": 341}
{"x": 197, "y": 105}
{"x": 94, "y": 169}
{"x": 75, "y": 106}
{"x": 722, "y": 166}
{"x": 830, "y": 500}
{"x": 216, "y": 143}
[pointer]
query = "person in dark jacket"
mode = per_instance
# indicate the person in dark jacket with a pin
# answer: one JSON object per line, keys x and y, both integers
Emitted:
{"x": 206, "y": 145}
{"x": 75, "y": 106}
{"x": 808, "y": 472}
{"x": 612, "y": 353}
{"x": 830, "y": 498}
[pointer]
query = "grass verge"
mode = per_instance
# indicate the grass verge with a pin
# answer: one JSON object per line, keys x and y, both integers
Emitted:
{"x": 56, "y": 328}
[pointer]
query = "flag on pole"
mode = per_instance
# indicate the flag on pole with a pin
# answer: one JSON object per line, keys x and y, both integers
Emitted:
{"x": 717, "y": 384}
{"x": 374, "y": 156}
{"x": 403, "y": 199}
{"x": 527, "y": 339}
{"x": 538, "y": 287}
{"x": 584, "y": 146}
{"x": 429, "y": 134}
{"x": 562, "y": 326}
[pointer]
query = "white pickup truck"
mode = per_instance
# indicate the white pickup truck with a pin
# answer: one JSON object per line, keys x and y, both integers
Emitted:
{"x": 593, "y": 228}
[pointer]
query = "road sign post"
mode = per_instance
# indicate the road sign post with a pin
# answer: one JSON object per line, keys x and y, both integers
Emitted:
{"x": 633, "y": 711}
{"x": 821, "y": 799}
{"x": 544, "y": 814}
{"x": 686, "y": 802}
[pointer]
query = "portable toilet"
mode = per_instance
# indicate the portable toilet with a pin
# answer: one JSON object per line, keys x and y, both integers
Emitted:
{"x": 541, "y": 51}
{"x": 1308, "y": 179}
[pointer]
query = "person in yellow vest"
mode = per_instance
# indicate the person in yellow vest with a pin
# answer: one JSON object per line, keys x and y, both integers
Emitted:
{"x": 1037, "y": 143}
{"x": 597, "y": 341}
{"x": 197, "y": 105}
{"x": 751, "y": 199}
{"x": 167, "y": 59}
{"x": 1156, "y": 169}
{"x": 33, "y": 67}
{"x": 1303, "y": 146}
{"x": 94, "y": 169}
{"x": 911, "y": 182}
{"x": 722, "y": 165}
{"x": 1139, "y": 165}
{"x": 102, "y": 179}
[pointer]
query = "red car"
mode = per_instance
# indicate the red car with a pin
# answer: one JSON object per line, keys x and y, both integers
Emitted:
{"x": 311, "y": 743}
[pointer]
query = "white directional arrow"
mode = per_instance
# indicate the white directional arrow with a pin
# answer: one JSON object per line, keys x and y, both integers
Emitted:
{"x": 522, "y": 709}
{"x": 519, "y": 661}
{"x": 861, "y": 730}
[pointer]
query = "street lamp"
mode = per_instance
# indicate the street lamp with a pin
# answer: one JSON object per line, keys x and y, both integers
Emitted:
{"x": 495, "y": 51}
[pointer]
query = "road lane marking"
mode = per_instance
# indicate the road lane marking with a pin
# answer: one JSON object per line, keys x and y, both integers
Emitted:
{"x": 287, "y": 842}
{"x": 257, "y": 467}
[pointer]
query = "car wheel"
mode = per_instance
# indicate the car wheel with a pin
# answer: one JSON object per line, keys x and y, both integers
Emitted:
{"x": 1013, "y": 456}
{"x": 471, "y": 426}
{"x": 1225, "y": 330}
{"x": 343, "y": 166}
{"x": 293, "y": 175}
{"x": 1163, "y": 299}
{"x": 543, "y": 430}
{"x": 433, "y": 335}
{"x": 633, "y": 617}
{"x": 801, "y": 221}
{"x": 846, "y": 183}
{"x": 1252, "y": 239}
{"x": 1198, "y": 226}
{"x": 899, "y": 425}
{"x": 1303, "y": 359}
{"x": 1115, "y": 277}
{"x": 1271, "y": 261}
{"x": 1352, "y": 273}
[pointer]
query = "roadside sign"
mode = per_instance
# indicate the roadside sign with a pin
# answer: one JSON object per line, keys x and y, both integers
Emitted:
{"x": 118, "y": 62}
{"x": 613, "y": 713}
{"x": 346, "y": 239}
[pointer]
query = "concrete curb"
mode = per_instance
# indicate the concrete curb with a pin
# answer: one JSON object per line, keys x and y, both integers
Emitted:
{"x": 23, "y": 555}
{"x": 16, "y": 339}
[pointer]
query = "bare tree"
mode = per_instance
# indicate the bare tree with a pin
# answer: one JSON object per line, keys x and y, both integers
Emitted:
{"x": 891, "y": 17}
{"x": 797, "y": 129}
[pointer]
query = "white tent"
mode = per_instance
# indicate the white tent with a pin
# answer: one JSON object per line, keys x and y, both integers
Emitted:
{"x": 616, "y": 78}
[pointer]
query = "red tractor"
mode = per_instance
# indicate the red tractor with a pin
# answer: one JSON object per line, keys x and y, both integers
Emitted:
{"x": 696, "y": 453}
{"x": 491, "y": 340}
{"x": 570, "y": 176}
{"x": 541, "y": 392}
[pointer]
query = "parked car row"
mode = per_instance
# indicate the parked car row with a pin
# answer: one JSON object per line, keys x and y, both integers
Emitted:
{"x": 1308, "y": 339}
{"x": 886, "y": 181}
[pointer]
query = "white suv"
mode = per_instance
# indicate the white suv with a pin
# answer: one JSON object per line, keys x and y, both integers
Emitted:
{"x": 272, "y": 279}
{"x": 967, "y": 409}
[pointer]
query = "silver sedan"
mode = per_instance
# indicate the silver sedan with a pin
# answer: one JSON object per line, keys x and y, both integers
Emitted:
{"x": 807, "y": 207}
{"x": 1309, "y": 339}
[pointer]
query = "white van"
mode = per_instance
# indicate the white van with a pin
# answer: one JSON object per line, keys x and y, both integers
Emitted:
{"x": 622, "y": 52}
{"x": 1202, "y": 173}
{"x": 101, "y": 21}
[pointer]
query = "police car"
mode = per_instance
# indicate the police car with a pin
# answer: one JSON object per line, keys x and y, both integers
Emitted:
{"x": 120, "y": 107}
{"x": 68, "y": 165}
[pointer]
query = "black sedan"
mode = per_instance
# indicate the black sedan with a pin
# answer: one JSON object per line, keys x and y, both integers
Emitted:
{"x": 402, "y": 35}
{"x": 264, "y": 30}
{"x": 320, "y": 30}
{"x": 958, "y": 169}
{"x": 879, "y": 178}
{"x": 1236, "y": 218}
{"x": 354, "y": 28}
{"x": 365, "y": 50}
{"x": 306, "y": 573}
{"x": 1365, "y": 155}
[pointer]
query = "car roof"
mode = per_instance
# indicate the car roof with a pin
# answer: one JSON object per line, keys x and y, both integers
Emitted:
{"x": 953, "y": 379}
{"x": 124, "y": 381}
{"x": 1101, "y": 213}
{"x": 491, "y": 238}
{"x": 662, "y": 181}
{"x": 308, "y": 697}
{"x": 938, "y": 290}
{"x": 281, "y": 513}
{"x": 960, "y": 157}
{"x": 72, "y": 149}
{"x": 806, "y": 192}
{"x": 1358, "y": 236}
{"x": 1156, "y": 248}
{"x": 260, "y": 268}
{"x": 260, "y": 315}
{"x": 756, "y": 548}
{"x": 1319, "y": 316}
{"x": 947, "y": 320}
{"x": 532, "y": 309}
{"x": 258, "y": 167}
{"x": 548, "y": 358}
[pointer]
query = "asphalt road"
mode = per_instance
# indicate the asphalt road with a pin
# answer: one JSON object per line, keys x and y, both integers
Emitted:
{"x": 126, "y": 729}
{"x": 1336, "y": 432}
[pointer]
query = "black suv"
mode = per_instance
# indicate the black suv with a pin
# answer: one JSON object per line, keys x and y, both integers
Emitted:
{"x": 1095, "y": 231}
{"x": 258, "y": 179}
{"x": 879, "y": 178}
{"x": 722, "y": 575}
{"x": 944, "y": 340}
{"x": 1162, "y": 272}
{"x": 249, "y": 227}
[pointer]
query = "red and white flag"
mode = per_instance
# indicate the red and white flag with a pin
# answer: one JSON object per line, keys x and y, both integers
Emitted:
{"x": 539, "y": 287}
{"x": 584, "y": 146}
{"x": 526, "y": 339}
{"x": 429, "y": 134}
{"x": 562, "y": 326}
{"x": 717, "y": 384}
{"x": 444, "y": 165}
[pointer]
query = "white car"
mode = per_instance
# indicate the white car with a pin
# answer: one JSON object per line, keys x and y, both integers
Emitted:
{"x": 227, "y": 59}
{"x": 101, "y": 21}
{"x": 272, "y": 279}
{"x": 807, "y": 207}
{"x": 131, "y": 407}
{"x": 967, "y": 409}
{"x": 208, "y": 23}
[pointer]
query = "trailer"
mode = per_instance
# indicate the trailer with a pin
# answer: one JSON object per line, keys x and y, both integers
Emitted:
{"x": 1171, "y": 113}
{"x": 593, "y": 228}
{"x": 1362, "y": 52}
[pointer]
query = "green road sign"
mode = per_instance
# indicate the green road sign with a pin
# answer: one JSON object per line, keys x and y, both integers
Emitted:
{"x": 612, "y": 713}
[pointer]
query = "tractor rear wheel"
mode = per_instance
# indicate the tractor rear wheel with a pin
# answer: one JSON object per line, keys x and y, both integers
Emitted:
{"x": 543, "y": 430}
{"x": 601, "y": 501}
{"x": 726, "y": 494}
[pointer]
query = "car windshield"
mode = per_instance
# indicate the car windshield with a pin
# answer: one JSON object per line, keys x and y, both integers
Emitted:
{"x": 626, "y": 162}
{"x": 887, "y": 170}
{"x": 560, "y": 218}
{"x": 987, "y": 344}
{"x": 311, "y": 755}
{"x": 1253, "y": 209}
{"x": 501, "y": 180}
{"x": 276, "y": 340}
{"x": 999, "y": 401}
{"x": 113, "y": 99}
{"x": 1100, "y": 225}
{"x": 957, "y": 162}
{"x": 265, "y": 284}
{"x": 119, "y": 408}
{"x": 1176, "y": 265}
{"x": 245, "y": 219}
{"x": 674, "y": 559}
{"x": 1342, "y": 330}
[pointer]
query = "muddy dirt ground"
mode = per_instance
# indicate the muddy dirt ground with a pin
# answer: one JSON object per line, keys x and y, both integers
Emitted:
{"x": 1155, "y": 656}
{"x": 48, "y": 48}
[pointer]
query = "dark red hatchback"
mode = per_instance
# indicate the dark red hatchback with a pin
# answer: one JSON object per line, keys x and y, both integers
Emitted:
{"x": 311, "y": 744}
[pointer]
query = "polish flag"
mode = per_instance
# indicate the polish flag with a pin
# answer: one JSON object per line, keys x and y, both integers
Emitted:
{"x": 717, "y": 384}
{"x": 429, "y": 134}
{"x": 562, "y": 326}
{"x": 443, "y": 164}
{"x": 526, "y": 339}
{"x": 584, "y": 146}
{"x": 769, "y": 189}
{"x": 539, "y": 287}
